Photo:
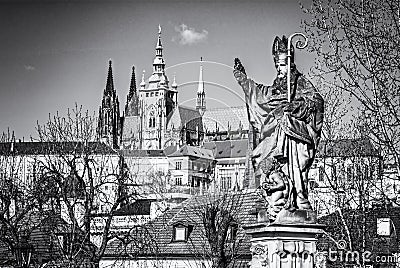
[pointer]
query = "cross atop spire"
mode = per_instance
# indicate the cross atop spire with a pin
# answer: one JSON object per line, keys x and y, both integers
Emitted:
{"x": 159, "y": 44}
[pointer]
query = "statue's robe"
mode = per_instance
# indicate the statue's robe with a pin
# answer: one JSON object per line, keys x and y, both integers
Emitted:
{"x": 288, "y": 133}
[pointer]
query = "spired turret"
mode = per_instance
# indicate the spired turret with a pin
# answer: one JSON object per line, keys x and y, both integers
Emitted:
{"x": 201, "y": 94}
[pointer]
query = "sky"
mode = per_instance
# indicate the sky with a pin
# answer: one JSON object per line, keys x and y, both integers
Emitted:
{"x": 54, "y": 53}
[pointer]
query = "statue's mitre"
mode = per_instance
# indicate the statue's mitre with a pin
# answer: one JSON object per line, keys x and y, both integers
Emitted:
{"x": 281, "y": 46}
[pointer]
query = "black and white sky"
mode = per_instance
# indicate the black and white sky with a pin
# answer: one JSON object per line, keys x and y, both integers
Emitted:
{"x": 55, "y": 53}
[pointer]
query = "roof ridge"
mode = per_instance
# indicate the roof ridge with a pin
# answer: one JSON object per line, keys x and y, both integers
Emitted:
{"x": 223, "y": 108}
{"x": 187, "y": 107}
{"x": 180, "y": 210}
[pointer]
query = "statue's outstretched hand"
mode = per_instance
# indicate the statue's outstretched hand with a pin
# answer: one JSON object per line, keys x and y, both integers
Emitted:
{"x": 238, "y": 71}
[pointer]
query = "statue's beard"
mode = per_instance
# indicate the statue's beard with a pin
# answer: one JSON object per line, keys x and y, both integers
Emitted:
{"x": 280, "y": 83}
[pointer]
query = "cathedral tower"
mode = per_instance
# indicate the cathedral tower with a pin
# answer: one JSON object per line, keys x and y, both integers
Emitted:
{"x": 201, "y": 94}
{"x": 109, "y": 124}
{"x": 158, "y": 100}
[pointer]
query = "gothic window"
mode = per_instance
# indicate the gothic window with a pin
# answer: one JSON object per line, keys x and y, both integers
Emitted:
{"x": 152, "y": 119}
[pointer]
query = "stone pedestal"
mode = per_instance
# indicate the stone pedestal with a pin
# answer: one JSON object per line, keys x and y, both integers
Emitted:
{"x": 283, "y": 245}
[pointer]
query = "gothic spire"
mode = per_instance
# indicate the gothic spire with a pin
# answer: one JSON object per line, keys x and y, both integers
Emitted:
{"x": 110, "y": 81}
{"x": 132, "y": 88}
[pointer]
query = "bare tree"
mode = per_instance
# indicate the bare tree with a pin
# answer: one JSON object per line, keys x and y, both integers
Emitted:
{"x": 219, "y": 218}
{"x": 91, "y": 179}
{"x": 357, "y": 49}
{"x": 19, "y": 198}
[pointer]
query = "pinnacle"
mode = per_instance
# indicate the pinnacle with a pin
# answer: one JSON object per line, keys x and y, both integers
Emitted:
{"x": 110, "y": 81}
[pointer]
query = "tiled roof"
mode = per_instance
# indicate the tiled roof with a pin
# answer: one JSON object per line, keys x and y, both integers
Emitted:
{"x": 131, "y": 127}
{"x": 346, "y": 148}
{"x": 40, "y": 148}
{"x": 41, "y": 229}
{"x": 221, "y": 118}
{"x": 228, "y": 149}
{"x": 139, "y": 207}
{"x": 193, "y": 151}
{"x": 190, "y": 212}
{"x": 185, "y": 116}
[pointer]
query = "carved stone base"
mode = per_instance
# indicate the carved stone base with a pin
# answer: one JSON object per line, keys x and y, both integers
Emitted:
{"x": 283, "y": 245}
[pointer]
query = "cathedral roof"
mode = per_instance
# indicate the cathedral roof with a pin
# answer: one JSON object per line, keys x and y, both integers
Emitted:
{"x": 131, "y": 127}
{"x": 185, "y": 116}
{"x": 347, "y": 148}
{"x": 193, "y": 151}
{"x": 228, "y": 149}
{"x": 221, "y": 118}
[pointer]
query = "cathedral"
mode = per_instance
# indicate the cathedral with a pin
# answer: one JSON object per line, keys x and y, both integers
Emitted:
{"x": 153, "y": 120}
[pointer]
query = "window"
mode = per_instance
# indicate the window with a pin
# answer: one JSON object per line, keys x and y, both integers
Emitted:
{"x": 383, "y": 226}
{"x": 312, "y": 185}
{"x": 178, "y": 165}
{"x": 321, "y": 173}
{"x": 178, "y": 181}
{"x": 226, "y": 178}
{"x": 152, "y": 119}
{"x": 181, "y": 232}
{"x": 226, "y": 182}
{"x": 156, "y": 93}
{"x": 147, "y": 94}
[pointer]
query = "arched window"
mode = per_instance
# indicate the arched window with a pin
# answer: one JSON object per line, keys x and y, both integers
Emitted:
{"x": 152, "y": 119}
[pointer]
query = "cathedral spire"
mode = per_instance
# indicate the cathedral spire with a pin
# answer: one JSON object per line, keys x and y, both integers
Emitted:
{"x": 158, "y": 63}
{"x": 201, "y": 94}
{"x": 110, "y": 81}
{"x": 132, "y": 88}
{"x": 132, "y": 101}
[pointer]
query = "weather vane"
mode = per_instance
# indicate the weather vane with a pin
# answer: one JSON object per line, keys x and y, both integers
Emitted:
{"x": 300, "y": 45}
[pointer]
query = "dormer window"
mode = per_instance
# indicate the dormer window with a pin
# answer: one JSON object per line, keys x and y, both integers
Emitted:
{"x": 181, "y": 232}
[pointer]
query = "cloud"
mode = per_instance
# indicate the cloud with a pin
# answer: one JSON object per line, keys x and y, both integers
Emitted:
{"x": 189, "y": 36}
{"x": 29, "y": 68}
